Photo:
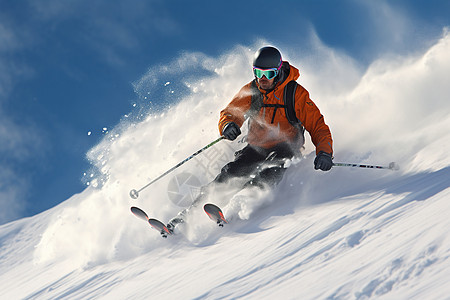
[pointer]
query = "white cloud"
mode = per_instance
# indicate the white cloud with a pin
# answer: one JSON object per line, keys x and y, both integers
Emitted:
{"x": 395, "y": 31}
{"x": 18, "y": 142}
{"x": 12, "y": 190}
{"x": 108, "y": 28}
{"x": 8, "y": 40}
{"x": 19, "y": 145}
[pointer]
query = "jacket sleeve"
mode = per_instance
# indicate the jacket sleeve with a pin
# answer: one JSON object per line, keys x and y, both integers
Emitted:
{"x": 313, "y": 121}
{"x": 236, "y": 109}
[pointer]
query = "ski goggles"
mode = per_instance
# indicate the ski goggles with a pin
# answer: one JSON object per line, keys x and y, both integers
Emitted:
{"x": 269, "y": 73}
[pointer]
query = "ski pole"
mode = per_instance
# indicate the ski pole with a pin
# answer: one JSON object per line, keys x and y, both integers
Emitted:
{"x": 392, "y": 166}
{"x": 135, "y": 193}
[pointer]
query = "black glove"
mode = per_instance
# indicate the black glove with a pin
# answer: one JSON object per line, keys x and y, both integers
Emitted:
{"x": 231, "y": 131}
{"x": 323, "y": 161}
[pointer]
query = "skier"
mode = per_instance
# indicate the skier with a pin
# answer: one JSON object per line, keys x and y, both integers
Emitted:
{"x": 273, "y": 137}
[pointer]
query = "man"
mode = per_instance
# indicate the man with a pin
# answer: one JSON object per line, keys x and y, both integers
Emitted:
{"x": 269, "y": 129}
{"x": 272, "y": 137}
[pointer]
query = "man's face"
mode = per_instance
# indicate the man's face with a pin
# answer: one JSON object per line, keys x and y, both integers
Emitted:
{"x": 265, "y": 83}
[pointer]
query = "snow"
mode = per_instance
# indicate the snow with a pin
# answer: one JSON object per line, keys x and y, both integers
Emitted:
{"x": 350, "y": 233}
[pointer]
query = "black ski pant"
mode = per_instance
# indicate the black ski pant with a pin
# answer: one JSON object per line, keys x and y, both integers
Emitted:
{"x": 256, "y": 166}
{"x": 261, "y": 166}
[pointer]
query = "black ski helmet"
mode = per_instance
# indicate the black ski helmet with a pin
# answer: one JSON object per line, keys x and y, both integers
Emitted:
{"x": 267, "y": 58}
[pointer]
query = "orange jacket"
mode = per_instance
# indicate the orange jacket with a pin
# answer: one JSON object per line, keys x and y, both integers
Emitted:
{"x": 265, "y": 133}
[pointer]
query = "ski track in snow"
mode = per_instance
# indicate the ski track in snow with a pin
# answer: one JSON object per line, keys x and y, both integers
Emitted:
{"x": 346, "y": 234}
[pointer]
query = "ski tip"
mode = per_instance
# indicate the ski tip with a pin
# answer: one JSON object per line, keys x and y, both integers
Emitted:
{"x": 139, "y": 213}
{"x": 214, "y": 213}
{"x": 160, "y": 226}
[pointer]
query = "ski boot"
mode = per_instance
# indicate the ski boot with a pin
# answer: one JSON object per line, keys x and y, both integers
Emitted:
{"x": 175, "y": 221}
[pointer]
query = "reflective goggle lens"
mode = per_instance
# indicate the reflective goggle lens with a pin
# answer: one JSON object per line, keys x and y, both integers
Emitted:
{"x": 269, "y": 73}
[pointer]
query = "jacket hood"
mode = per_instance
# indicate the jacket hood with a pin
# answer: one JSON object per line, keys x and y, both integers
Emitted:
{"x": 288, "y": 73}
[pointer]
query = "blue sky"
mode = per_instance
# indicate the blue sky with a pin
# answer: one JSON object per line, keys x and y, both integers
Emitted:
{"x": 67, "y": 67}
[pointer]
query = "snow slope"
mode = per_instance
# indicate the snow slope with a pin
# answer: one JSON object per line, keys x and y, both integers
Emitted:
{"x": 345, "y": 234}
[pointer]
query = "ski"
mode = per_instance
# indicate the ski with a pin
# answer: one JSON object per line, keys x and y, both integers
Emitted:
{"x": 154, "y": 223}
{"x": 158, "y": 225}
{"x": 215, "y": 214}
